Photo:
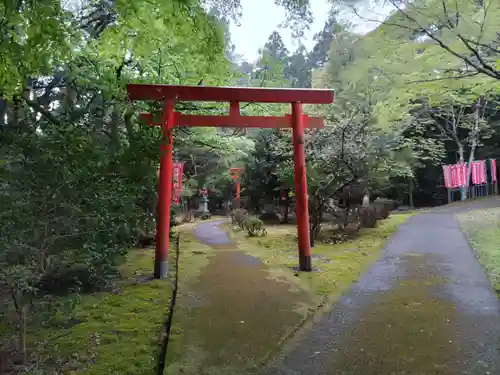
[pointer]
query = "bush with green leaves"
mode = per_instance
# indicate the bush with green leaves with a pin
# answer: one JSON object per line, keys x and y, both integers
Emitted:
{"x": 254, "y": 227}
{"x": 382, "y": 209}
{"x": 369, "y": 216}
{"x": 69, "y": 212}
{"x": 238, "y": 218}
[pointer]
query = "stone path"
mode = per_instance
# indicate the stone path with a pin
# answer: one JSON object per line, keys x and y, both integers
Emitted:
{"x": 425, "y": 308}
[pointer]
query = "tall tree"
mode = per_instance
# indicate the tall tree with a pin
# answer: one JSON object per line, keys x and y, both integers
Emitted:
{"x": 465, "y": 29}
{"x": 297, "y": 70}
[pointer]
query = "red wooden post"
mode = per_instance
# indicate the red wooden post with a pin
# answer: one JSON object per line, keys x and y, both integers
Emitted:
{"x": 235, "y": 174}
{"x": 302, "y": 208}
{"x": 238, "y": 193}
{"x": 164, "y": 192}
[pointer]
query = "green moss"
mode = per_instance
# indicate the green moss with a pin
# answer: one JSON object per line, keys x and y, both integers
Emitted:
{"x": 482, "y": 228}
{"x": 336, "y": 266}
{"x": 233, "y": 316}
{"x": 407, "y": 324}
{"x": 111, "y": 333}
{"x": 119, "y": 332}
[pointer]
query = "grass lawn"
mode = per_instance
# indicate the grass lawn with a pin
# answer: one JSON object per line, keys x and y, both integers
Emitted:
{"x": 482, "y": 228}
{"x": 336, "y": 266}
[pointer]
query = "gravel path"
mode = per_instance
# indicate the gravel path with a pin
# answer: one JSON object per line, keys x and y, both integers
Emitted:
{"x": 425, "y": 308}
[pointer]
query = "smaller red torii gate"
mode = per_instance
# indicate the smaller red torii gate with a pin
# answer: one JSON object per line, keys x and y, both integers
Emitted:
{"x": 169, "y": 94}
{"x": 235, "y": 175}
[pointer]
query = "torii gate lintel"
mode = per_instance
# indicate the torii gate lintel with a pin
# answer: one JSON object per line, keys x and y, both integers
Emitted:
{"x": 169, "y": 94}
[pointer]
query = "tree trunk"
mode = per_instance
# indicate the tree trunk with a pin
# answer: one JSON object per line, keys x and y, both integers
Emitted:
{"x": 114, "y": 124}
{"x": 287, "y": 207}
{"x": 22, "y": 312}
{"x": 346, "y": 215}
{"x": 463, "y": 189}
{"x": 315, "y": 218}
{"x": 474, "y": 142}
{"x": 22, "y": 332}
{"x": 410, "y": 191}
{"x": 3, "y": 111}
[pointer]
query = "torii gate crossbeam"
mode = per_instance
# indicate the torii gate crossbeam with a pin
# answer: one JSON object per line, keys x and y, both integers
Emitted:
{"x": 169, "y": 94}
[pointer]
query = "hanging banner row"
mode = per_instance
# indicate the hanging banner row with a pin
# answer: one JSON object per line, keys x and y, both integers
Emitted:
{"x": 178, "y": 168}
{"x": 455, "y": 176}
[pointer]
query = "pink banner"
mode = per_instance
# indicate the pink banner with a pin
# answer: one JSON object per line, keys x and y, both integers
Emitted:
{"x": 478, "y": 172}
{"x": 447, "y": 176}
{"x": 493, "y": 164}
{"x": 178, "y": 167}
{"x": 454, "y": 176}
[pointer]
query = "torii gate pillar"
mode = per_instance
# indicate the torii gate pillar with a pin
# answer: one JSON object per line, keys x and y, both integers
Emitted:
{"x": 301, "y": 200}
{"x": 164, "y": 192}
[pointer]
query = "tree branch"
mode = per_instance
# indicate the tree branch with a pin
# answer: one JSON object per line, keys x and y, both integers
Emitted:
{"x": 38, "y": 108}
{"x": 480, "y": 68}
{"x": 444, "y": 78}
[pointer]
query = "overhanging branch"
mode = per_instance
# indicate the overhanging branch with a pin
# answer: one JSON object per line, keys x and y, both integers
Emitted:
{"x": 38, "y": 108}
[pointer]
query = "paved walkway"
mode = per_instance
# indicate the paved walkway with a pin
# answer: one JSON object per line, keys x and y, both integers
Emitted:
{"x": 426, "y": 308}
{"x": 210, "y": 233}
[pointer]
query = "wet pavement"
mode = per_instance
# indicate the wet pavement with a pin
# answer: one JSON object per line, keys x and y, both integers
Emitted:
{"x": 210, "y": 233}
{"x": 425, "y": 308}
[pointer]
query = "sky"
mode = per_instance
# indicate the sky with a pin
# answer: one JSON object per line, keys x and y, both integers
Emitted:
{"x": 261, "y": 17}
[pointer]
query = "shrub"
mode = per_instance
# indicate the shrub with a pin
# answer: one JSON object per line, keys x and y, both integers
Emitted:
{"x": 369, "y": 216}
{"x": 332, "y": 236}
{"x": 238, "y": 218}
{"x": 271, "y": 217}
{"x": 384, "y": 207}
{"x": 188, "y": 217}
{"x": 205, "y": 216}
{"x": 254, "y": 227}
{"x": 202, "y": 215}
{"x": 382, "y": 210}
{"x": 339, "y": 234}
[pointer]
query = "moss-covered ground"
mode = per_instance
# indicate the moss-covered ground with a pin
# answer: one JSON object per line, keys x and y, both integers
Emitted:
{"x": 235, "y": 307}
{"x": 115, "y": 332}
{"x": 482, "y": 228}
{"x": 118, "y": 331}
{"x": 336, "y": 266}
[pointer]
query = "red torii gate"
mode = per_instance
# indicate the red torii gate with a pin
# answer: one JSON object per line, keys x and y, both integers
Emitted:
{"x": 169, "y": 94}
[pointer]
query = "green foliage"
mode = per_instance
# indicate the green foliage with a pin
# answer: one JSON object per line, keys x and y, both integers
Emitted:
{"x": 482, "y": 228}
{"x": 77, "y": 177}
{"x": 415, "y": 73}
{"x": 254, "y": 227}
{"x": 36, "y": 36}
{"x": 368, "y": 217}
{"x": 129, "y": 320}
{"x": 242, "y": 221}
{"x": 238, "y": 218}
